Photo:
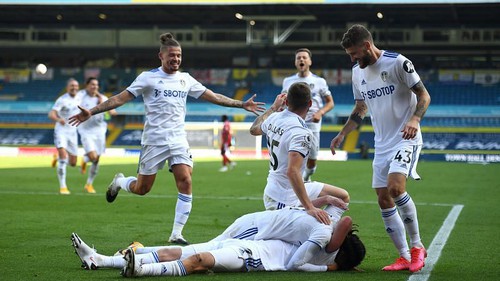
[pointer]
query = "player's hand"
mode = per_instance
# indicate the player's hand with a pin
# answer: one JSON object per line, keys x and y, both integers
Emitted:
{"x": 410, "y": 130}
{"x": 279, "y": 103}
{"x": 317, "y": 117}
{"x": 321, "y": 215}
{"x": 253, "y": 106}
{"x": 75, "y": 120}
{"x": 336, "y": 143}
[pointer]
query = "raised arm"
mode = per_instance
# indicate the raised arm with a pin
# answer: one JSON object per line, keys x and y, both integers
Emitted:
{"x": 357, "y": 115}
{"x": 255, "y": 129}
{"x": 111, "y": 103}
{"x": 219, "y": 99}
{"x": 341, "y": 230}
{"x": 423, "y": 101}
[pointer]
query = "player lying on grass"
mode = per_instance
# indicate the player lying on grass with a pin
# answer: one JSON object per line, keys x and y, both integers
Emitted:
{"x": 344, "y": 251}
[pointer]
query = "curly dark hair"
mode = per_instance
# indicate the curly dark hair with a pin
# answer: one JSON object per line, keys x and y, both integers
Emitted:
{"x": 351, "y": 252}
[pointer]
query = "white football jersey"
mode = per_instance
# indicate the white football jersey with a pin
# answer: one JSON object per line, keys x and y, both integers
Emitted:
{"x": 66, "y": 106}
{"x": 164, "y": 103}
{"x": 285, "y": 132}
{"x": 385, "y": 87}
{"x": 292, "y": 225}
{"x": 319, "y": 90}
{"x": 96, "y": 123}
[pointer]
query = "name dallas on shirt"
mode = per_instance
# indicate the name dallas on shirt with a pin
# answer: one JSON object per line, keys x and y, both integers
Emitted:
{"x": 277, "y": 130}
{"x": 170, "y": 93}
{"x": 383, "y": 91}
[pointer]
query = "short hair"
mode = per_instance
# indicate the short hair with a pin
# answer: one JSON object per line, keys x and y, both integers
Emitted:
{"x": 90, "y": 79}
{"x": 224, "y": 118}
{"x": 355, "y": 36}
{"x": 299, "y": 95}
{"x": 351, "y": 253}
{"x": 304, "y": 50}
{"x": 71, "y": 80}
{"x": 167, "y": 40}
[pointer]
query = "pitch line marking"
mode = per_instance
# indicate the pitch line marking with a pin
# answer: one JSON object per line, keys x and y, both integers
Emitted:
{"x": 198, "y": 197}
{"x": 437, "y": 245}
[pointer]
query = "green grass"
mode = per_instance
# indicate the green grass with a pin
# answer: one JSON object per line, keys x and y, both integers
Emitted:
{"x": 36, "y": 222}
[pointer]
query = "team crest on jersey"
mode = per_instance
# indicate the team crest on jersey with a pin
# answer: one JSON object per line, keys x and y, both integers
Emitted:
{"x": 183, "y": 83}
{"x": 311, "y": 86}
{"x": 384, "y": 76}
{"x": 408, "y": 66}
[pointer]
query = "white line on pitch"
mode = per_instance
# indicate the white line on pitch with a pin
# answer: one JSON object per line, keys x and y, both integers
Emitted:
{"x": 196, "y": 197}
{"x": 437, "y": 245}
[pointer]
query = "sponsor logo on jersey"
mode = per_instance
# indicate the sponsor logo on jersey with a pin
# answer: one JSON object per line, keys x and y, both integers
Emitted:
{"x": 170, "y": 93}
{"x": 384, "y": 75}
{"x": 380, "y": 92}
{"x": 408, "y": 66}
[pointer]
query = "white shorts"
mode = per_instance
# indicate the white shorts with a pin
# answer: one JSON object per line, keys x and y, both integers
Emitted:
{"x": 93, "y": 142}
{"x": 313, "y": 152}
{"x": 153, "y": 157}
{"x": 68, "y": 141}
{"x": 403, "y": 159}
{"x": 313, "y": 190}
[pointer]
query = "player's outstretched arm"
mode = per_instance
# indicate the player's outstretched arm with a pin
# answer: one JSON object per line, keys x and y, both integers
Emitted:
{"x": 219, "y": 99}
{"x": 111, "y": 103}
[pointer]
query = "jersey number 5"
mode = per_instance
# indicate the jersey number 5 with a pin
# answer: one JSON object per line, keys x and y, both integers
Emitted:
{"x": 273, "y": 158}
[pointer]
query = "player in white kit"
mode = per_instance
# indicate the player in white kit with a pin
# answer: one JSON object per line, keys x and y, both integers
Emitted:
{"x": 288, "y": 143}
{"x": 386, "y": 84}
{"x": 344, "y": 251}
{"x": 93, "y": 131}
{"x": 65, "y": 135}
{"x": 322, "y": 102}
{"x": 164, "y": 90}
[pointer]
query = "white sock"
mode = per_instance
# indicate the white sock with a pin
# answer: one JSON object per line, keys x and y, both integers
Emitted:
{"x": 147, "y": 258}
{"x": 94, "y": 169}
{"x": 124, "y": 183}
{"x": 61, "y": 172}
{"x": 335, "y": 212}
{"x": 395, "y": 228}
{"x": 171, "y": 268}
{"x": 408, "y": 213}
{"x": 109, "y": 261}
{"x": 182, "y": 211}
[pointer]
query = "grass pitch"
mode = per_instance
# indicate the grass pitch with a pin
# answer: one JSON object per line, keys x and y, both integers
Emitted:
{"x": 36, "y": 222}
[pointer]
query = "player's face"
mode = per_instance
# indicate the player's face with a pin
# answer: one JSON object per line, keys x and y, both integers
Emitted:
{"x": 302, "y": 61}
{"x": 92, "y": 87}
{"x": 171, "y": 59}
{"x": 360, "y": 55}
{"x": 72, "y": 87}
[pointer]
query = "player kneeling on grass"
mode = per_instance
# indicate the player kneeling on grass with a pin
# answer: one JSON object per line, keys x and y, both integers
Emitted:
{"x": 344, "y": 251}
